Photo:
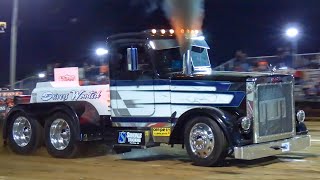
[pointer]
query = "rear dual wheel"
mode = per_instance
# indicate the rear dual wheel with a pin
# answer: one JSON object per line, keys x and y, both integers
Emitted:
{"x": 60, "y": 136}
{"x": 25, "y": 134}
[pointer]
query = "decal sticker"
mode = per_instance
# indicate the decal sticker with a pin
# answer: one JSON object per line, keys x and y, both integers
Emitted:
{"x": 3, "y": 108}
{"x": 74, "y": 95}
{"x": 285, "y": 147}
{"x": 122, "y": 137}
{"x": 161, "y": 131}
{"x": 133, "y": 138}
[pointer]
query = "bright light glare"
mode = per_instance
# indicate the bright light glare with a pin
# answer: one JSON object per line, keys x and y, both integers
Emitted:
{"x": 101, "y": 51}
{"x": 41, "y": 75}
{"x": 283, "y": 68}
{"x": 154, "y": 31}
{"x": 163, "y": 31}
{"x": 292, "y": 32}
{"x": 152, "y": 45}
{"x": 201, "y": 38}
{"x": 171, "y": 31}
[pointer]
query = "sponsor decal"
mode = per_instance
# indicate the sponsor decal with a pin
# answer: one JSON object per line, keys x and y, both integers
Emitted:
{"x": 285, "y": 147}
{"x": 67, "y": 77}
{"x": 10, "y": 94}
{"x": 69, "y": 74}
{"x": 122, "y": 137}
{"x": 3, "y": 108}
{"x": 72, "y": 95}
{"x": 161, "y": 131}
{"x": 134, "y": 138}
{"x": 47, "y": 96}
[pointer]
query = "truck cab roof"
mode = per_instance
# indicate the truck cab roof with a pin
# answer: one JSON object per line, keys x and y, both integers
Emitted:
{"x": 162, "y": 39}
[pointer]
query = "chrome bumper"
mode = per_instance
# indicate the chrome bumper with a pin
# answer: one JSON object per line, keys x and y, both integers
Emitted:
{"x": 260, "y": 150}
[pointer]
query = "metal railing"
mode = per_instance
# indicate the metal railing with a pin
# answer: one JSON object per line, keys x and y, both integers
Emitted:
{"x": 299, "y": 61}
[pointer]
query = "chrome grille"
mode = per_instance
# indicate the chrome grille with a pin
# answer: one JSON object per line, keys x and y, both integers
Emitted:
{"x": 273, "y": 112}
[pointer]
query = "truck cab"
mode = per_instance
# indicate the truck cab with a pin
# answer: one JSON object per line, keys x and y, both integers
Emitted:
{"x": 156, "y": 94}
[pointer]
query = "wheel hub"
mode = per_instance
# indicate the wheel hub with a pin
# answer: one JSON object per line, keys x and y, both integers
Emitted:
{"x": 60, "y": 134}
{"x": 201, "y": 140}
{"x": 21, "y": 131}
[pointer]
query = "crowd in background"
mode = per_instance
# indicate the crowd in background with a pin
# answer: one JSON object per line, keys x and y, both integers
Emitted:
{"x": 89, "y": 74}
{"x": 305, "y": 68}
{"x": 283, "y": 59}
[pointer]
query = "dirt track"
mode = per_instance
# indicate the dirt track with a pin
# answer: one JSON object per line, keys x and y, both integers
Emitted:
{"x": 160, "y": 163}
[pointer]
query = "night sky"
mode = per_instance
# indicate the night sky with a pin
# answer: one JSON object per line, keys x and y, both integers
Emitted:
{"x": 70, "y": 30}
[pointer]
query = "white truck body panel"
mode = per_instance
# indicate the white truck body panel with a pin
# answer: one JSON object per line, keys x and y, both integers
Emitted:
{"x": 97, "y": 95}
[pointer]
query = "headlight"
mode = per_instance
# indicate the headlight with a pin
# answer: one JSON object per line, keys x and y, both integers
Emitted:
{"x": 301, "y": 115}
{"x": 245, "y": 123}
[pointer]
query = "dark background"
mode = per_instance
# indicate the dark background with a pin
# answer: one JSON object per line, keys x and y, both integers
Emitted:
{"x": 70, "y": 30}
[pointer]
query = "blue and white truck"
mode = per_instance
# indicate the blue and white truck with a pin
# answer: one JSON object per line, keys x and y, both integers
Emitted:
{"x": 156, "y": 95}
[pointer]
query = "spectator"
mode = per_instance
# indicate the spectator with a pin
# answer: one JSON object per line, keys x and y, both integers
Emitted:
{"x": 284, "y": 59}
{"x": 241, "y": 62}
{"x": 262, "y": 66}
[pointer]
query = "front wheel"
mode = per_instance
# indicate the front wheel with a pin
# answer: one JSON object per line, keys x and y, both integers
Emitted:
{"x": 205, "y": 141}
{"x": 60, "y": 136}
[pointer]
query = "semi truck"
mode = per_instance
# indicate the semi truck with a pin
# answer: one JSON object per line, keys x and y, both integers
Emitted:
{"x": 156, "y": 95}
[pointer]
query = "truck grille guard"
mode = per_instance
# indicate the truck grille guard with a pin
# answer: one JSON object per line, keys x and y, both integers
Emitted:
{"x": 271, "y": 107}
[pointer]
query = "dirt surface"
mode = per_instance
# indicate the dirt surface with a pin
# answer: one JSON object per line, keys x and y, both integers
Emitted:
{"x": 160, "y": 163}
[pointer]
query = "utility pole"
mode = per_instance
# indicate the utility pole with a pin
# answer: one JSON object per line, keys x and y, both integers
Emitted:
{"x": 13, "y": 45}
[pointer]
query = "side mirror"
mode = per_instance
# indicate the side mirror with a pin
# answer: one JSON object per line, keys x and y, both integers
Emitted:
{"x": 132, "y": 59}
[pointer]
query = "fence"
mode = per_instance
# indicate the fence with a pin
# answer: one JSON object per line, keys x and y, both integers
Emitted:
{"x": 299, "y": 61}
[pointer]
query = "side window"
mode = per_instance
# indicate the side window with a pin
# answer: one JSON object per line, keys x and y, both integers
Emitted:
{"x": 144, "y": 63}
{"x": 120, "y": 63}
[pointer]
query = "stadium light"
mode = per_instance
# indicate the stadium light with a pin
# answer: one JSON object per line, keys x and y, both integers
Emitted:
{"x": 292, "y": 32}
{"x": 101, "y": 51}
{"x": 41, "y": 75}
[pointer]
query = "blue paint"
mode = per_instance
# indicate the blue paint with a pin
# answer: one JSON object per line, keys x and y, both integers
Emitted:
{"x": 141, "y": 119}
{"x": 220, "y": 86}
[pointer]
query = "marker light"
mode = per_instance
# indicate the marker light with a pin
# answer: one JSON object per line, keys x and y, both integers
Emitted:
{"x": 245, "y": 123}
{"x": 182, "y": 31}
{"x": 154, "y": 31}
{"x": 301, "y": 115}
{"x": 171, "y": 31}
{"x": 163, "y": 31}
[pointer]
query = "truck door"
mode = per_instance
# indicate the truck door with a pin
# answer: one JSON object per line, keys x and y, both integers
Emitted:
{"x": 134, "y": 83}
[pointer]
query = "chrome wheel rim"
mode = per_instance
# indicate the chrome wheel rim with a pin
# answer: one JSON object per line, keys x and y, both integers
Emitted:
{"x": 21, "y": 131}
{"x": 60, "y": 134}
{"x": 201, "y": 140}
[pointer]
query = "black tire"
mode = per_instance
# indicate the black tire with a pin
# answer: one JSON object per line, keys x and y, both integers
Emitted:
{"x": 72, "y": 148}
{"x": 36, "y": 137}
{"x": 218, "y": 152}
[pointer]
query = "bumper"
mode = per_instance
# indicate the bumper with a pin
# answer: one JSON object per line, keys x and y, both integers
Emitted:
{"x": 261, "y": 150}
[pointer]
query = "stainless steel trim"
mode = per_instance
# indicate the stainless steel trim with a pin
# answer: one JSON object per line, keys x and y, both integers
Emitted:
{"x": 256, "y": 151}
{"x": 21, "y": 131}
{"x": 257, "y": 138}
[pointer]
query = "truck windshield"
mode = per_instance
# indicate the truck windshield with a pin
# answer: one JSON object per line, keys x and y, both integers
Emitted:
{"x": 199, "y": 57}
{"x": 170, "y": 61}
